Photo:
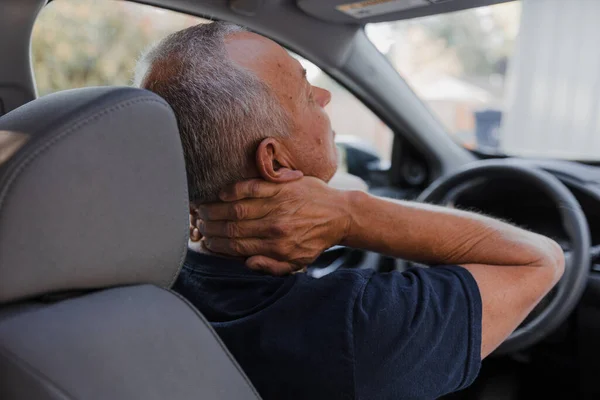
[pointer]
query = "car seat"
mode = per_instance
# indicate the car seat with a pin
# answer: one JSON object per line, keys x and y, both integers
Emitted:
{"x": 93, "y": 232}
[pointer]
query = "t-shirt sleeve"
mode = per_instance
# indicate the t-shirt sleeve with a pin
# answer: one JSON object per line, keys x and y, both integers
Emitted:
{"x": 417, "y": 334}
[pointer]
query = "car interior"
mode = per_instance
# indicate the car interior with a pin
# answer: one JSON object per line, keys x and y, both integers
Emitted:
{"x": 94, "y": 211}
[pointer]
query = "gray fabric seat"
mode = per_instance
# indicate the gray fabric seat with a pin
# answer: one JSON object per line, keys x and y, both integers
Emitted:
{"x": 93, "y": 231}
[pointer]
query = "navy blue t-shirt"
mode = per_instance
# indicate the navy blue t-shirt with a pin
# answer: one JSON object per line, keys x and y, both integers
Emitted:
{"x": 352, "y": 334}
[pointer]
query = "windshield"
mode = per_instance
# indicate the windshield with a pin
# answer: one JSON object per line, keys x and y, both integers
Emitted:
{"x": 518, "y": 78}
{"x": 79, "y": 43}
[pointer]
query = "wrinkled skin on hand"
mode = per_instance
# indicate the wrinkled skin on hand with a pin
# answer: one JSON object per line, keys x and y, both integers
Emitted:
{"x": 281, "y": 228}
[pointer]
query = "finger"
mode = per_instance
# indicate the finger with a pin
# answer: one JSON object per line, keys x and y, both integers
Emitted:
{"x": 270, "y": 265}
{"x": 194, "y": 232}
{"x": 254, "y": 188}
{"x": 254, "y": 228}
{"x": 236, "y": 211}
{"x": 195, "y": 235}
{"x": 239, "y": 247}
{"x": 192, "y": 227}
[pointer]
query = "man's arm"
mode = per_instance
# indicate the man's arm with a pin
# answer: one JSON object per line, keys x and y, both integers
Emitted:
{"x": 284, "y": 226}
{"x": 513, "y": 268}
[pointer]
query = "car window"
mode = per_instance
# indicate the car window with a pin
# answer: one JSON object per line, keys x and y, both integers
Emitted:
{"x": 79, "y": 43}
{"x": 520, "y": 78}
{"x": 457, "y": 63}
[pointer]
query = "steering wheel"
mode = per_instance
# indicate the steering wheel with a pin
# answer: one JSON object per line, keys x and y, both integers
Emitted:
{"x": 571, "y": 286}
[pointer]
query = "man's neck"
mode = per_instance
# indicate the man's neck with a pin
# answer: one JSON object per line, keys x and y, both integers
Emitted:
{"x": 199, "y": 248}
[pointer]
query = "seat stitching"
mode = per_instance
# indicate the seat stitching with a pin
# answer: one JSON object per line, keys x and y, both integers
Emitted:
{"x": 55, "y": 139}
{"x": 30, "y": 369}
{"x": 217, "y": 338}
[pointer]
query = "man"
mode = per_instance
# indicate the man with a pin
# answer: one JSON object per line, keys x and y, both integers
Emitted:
{"x": 245, "y": 110}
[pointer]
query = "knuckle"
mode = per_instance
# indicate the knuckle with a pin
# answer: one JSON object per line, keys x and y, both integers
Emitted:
{"x": 254, "y": 188}
{"x": 284, "y": 250}
{"x": 231, "y": 230}
{"x": 286, "y": 230}
{"x": 239, "y": 211}
{"x": 236, "y": 246}
{"x": 278, "y": 229}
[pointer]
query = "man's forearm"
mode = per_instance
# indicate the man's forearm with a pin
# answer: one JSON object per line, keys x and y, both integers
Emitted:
{"x": 284, "y": 227}
{"x": 438, "y": 235}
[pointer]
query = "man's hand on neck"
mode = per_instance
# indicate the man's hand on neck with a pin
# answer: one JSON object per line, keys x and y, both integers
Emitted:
{"x": 196, "y": 244}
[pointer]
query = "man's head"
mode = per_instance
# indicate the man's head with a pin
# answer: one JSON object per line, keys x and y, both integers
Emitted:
{"x": 243, "y": 106}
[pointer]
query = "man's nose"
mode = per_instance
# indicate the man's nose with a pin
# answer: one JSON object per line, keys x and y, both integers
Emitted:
{"x": 322, "y": 96}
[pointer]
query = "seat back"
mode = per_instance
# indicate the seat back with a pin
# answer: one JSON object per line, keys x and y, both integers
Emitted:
{"x": 93, "y": 231}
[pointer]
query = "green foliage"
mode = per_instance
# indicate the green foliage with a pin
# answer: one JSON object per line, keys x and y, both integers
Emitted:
{"x": 77, "y": 43}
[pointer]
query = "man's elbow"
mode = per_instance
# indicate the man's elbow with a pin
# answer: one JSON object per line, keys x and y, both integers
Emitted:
{"x": 552, "y": 262}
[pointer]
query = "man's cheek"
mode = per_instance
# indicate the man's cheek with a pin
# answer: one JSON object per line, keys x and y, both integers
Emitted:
{"x": 336, "y": 155}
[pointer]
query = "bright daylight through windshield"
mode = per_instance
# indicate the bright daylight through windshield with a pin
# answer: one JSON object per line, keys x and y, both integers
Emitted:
{"x": 466, "y": 67}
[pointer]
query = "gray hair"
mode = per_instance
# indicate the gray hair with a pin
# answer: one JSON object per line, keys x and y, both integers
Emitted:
{"x": 223, "y": 110}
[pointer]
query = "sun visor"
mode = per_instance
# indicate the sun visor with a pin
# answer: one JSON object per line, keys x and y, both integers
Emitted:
{"x": 366, "y": 11}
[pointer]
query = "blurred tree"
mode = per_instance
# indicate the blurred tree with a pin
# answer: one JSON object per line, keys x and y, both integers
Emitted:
{"x": 469, "y": 43}
{"x": 478, "y": 39}
{"x": 78, "y": 43}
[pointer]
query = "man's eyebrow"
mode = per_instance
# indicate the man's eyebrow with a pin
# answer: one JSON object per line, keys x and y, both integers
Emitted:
{"x": 304, "y": 73}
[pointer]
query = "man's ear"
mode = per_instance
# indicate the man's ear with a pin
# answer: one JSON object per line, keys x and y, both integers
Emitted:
{"x": 274, "y": 162}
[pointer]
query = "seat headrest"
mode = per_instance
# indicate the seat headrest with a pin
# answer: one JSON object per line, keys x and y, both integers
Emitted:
{"x": 96, "y": 197}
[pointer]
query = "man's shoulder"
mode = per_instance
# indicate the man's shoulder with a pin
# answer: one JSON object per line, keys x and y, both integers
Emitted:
{"x": 341, "y": 280}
